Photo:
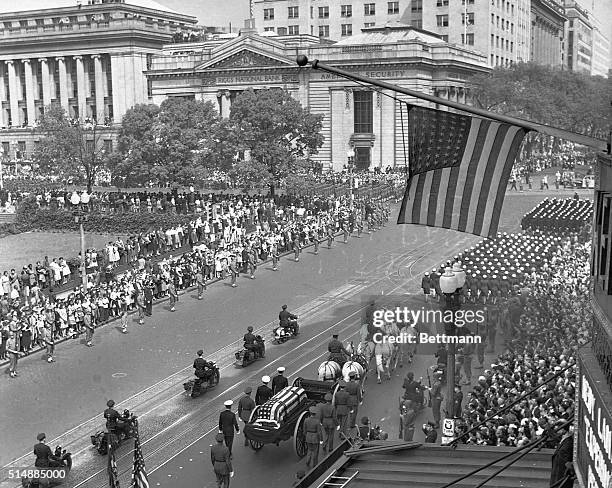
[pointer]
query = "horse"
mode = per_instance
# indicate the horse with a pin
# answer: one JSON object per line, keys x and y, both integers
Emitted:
{"x": 408, "y": 349}
{"x": 329, "y": 371}
{"x": 383, "y": 352}
{"x": 391, "y": 329}
{"x": 365, "y": 349}
{"x": 352, "y": 367}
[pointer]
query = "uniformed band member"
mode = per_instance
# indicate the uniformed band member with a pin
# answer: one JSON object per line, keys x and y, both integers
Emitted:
{"x": 263, "y": 393}
{"x": 314, "y": 438}
{"x": 246, "y": 405}
{"x": 44, "y": 454}
{"x": 342, "y": 407}
{"x": 338, "y": 353}
{"x": 227, "y": 424}
{"x": 221, "y": 459}
{"x": 354, "y": 390}
{"x": 279, "y": 381}
{"x": 329, "y": 421}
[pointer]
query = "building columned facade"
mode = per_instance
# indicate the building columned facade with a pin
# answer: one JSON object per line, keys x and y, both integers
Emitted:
{"x": 89, "y": 58}
{"x": 370, "y": 122}
{"x": 547, "y": 31}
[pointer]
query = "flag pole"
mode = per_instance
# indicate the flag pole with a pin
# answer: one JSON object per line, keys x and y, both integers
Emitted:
{"x": 598, "y": 144}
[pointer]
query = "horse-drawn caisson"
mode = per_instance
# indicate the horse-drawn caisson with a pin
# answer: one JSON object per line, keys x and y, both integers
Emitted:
{"x": 333, "y": 369}
{"x": 282, "y": 417}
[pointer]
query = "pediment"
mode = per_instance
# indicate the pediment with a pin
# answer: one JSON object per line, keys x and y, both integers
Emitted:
{"x": 246, "y": 58}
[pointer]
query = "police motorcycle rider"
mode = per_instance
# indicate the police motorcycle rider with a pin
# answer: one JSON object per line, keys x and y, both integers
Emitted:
{"x": 203, "y": 370}
{"x": 116, "y": 423}
{"x": 252, "y": 344}
{"x": 44, "y": 455}
{"x": 338, "y": 353}
{"x": 287, "y": 320}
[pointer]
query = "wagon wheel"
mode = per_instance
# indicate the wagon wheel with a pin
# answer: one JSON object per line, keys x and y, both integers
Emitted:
{"x": 256, "y": 445}
{"x": 299, "y": 435}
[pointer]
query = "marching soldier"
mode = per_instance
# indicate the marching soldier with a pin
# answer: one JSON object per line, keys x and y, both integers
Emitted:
{"x": 246, "y": 405}
{"x": 220, "y": 457}
{"x": 227, "y": 424}
{"x": 342, "y": 407}
{"x": 314, "y": 438}
{"x": 279, "y": 381}
{"x": 263, "y": 393}
{"x": 354, "y": 390}
{"x": 329, "y": 420}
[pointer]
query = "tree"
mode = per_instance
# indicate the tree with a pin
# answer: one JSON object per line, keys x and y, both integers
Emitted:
{"x": 276, "y": 131}
{"x": 163, "y": 144}
{"x": 572, "y": 101}
{"x": 69, "y": 150}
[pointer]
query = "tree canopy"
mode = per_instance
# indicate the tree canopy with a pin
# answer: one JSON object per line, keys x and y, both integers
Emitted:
{"x": 71, "y": 151}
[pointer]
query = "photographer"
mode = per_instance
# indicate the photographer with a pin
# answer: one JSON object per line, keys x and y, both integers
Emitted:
{"x": 431, "y": 435}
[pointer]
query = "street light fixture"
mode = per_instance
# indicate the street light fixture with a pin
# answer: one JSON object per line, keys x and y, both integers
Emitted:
{"x": 79, "y": 217}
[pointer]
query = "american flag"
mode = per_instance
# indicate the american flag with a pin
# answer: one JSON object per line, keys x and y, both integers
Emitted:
{"x": 139, "y": 475}
{"x": 113, "y": 475}
{"x": 459, "y": 168}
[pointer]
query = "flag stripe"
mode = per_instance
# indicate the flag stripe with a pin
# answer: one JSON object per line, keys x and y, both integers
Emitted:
{"x": 492, "y": 180}
{"x": 440, "y": 205}
{"x": 501, "y": 190}
{"x": 472, "y": 167}
{"x": 450, "y": 197}
{"x": 459, "y": 168}
{"x": 485, "y": 173}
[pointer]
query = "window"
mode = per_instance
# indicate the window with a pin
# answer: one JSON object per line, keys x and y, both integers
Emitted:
{"x": 368, "y": 24}
{"x": 497, "y": 20}
{"x": 324, "y": 12}
{"x": 511, "y": 28}
{"x": 496, "y": 41}
{"x": 268, "y": 14}
{"x": 469, "y": 2}
{"x": 512, "y": 47}
{"x": 294, "y": 30}
{"x": 492, "y": 19}
{"x": 324, "y": 31}
{"x": 470, "y": 19}
{"x": 417, "y": 6}
{"x": 492, "y": 40}
{"x": 442, "y": 20}
{"x": 369, "y": 9}
{"x": 347, "y": 29}
{"x": 108, "y": 146}
{"x": 491, "y": 59}
{"x": 346, "y": 11}
{"x": 442, "y": 3}
{"x": 470, "y": 39}
{"x": 363, "y": 112}
{"x": 444, "y": 38}
{"x": 281, "y": 31}
{"x": 268, "y": 29}
{"x": 392, "y": 8}
{"x": 294, "y": 12}
{"x": 417, "y": 24}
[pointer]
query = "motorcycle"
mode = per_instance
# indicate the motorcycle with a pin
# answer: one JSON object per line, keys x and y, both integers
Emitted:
{"x": 281, "y": 335}
{"x": 245, "y": 356}
{"x": 100, "y": 439}
{"x": 64, "y": 459}
{"x": 197, "y": 386}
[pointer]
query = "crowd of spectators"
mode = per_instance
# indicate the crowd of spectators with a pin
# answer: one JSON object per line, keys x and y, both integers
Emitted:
{"x": 216, "y": 248}
{"x": 544, "y": 319}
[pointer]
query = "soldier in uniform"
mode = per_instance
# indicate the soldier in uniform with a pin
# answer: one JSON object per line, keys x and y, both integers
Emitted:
{"x": 227, "y": 424}
{"x": 314, "y": 438}
{"x": 220, "y": 457}
{"x": 435, "y": 282}
{"x": 426, "y": 286}
{"x": 436, "y": 397}
{"x": 263, "y": 393}
{"x": 329, "y": 420}
{"x": 279, "y": 381}
{"x": 246, "y": 405}
{"x": 114, "y": 422}
{"x": 342, "y": 407}
{"x": 354, "y": 390}
{"x": 338, "y": 352}
{"x": 44, "y": 454}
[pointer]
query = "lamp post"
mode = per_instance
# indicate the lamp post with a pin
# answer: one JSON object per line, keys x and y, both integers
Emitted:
{"x": 350, "y": 156}
{"x": 80, "y": 203}
{"x": 451, "y": 284}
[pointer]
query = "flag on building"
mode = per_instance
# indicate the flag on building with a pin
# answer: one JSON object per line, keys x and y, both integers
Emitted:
{"x": 139, "y": 475}
{"x": 113, "y": 475}
{"x": 459, "y": 168}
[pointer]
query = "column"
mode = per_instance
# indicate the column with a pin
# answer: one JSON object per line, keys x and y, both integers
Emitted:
{"x": 46, "y": 82}
{"x": 29, "y": 94}
{"x": 13, "y": 93}
{"x": 63, "y": 83}
{"x": 225, "y": 104}
{"x": 3, "y": 96}
{"x": 99, "y": 80}
{"x": 82, "y": 89}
